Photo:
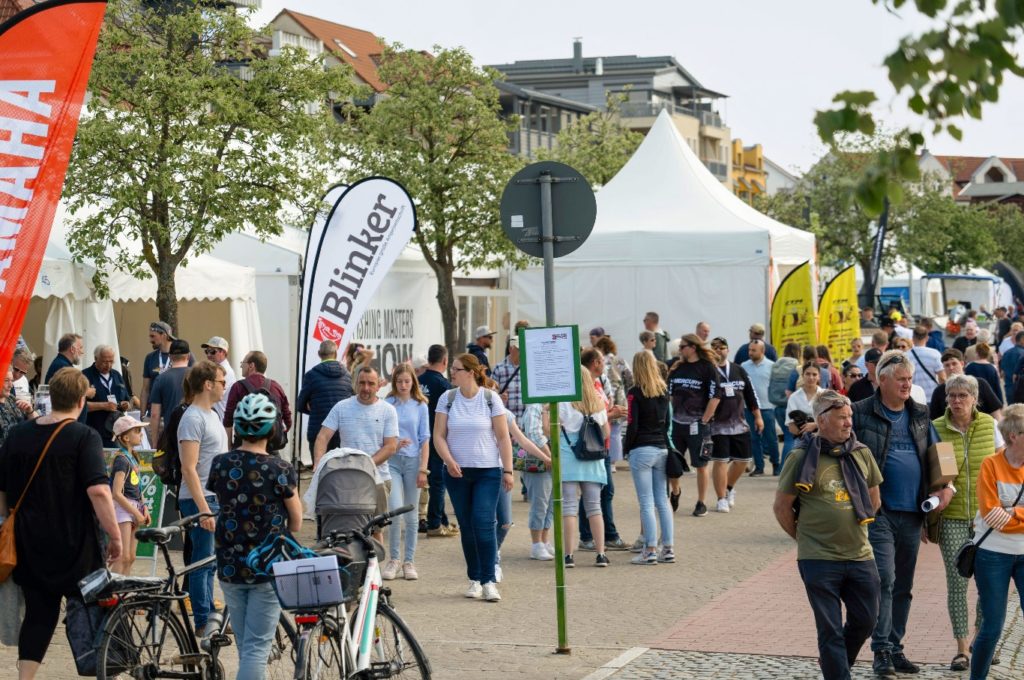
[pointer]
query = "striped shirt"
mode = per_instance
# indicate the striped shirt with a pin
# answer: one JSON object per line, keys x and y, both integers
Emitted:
{"x": 470, "y": 435}
{"x": 998, "y": 485}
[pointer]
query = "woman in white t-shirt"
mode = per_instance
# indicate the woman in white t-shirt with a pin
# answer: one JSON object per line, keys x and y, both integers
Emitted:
{"x": 807, "y": 389}
{"x": 471, "y": 437}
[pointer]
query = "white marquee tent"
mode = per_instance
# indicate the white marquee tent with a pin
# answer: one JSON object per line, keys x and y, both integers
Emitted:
{"x": 670, "y": 238}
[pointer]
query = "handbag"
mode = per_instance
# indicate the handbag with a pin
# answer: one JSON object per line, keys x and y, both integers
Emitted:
{"x": 969, "y": 550}
{"x": 590, "y": 442}
{"x": 524, "y": 462}
{"x": 83, "y": 624}
{"x": 675, "y": 464}
{"x": 8, "y": 551}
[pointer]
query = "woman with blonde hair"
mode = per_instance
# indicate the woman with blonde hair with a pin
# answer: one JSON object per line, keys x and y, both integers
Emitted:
{"x": 408, "y": 468}
{"x": 982, "y": 368}
{"x": 471, "y": 437}
{"x": 647, "y": 445}
{"x": 582, "y": 477}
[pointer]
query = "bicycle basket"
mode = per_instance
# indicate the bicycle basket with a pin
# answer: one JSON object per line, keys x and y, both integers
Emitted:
{"x": 352, "y": 563}
{"x": 312, "y": 583}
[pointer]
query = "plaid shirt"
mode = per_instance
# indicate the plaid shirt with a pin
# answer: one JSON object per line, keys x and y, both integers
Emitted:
{"x": 532, "y": 424}
{"x": 502, "y": 374}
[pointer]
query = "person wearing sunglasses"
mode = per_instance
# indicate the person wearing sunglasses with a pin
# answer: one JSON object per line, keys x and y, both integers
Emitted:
{"x": 898, "y": 432}
{"x": 216, "y": 350}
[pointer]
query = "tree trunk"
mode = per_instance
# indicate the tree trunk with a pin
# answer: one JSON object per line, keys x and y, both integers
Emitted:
{"x": 449, "y": 309}
{"x": 167, "y": 295}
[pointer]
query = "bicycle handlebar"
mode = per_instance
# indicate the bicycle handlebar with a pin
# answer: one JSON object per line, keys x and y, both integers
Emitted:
{"x": 190, "y": 521}
{"x": 381, "y": 520}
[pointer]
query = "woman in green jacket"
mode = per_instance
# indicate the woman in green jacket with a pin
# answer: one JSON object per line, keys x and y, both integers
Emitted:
{"x": 974, "y": 436}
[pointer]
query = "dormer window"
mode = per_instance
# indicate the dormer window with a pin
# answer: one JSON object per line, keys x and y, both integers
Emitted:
{"x": 995, "y": 176}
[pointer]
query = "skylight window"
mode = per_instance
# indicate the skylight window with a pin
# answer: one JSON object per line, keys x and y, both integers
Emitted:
{"x": 346, "y": 48}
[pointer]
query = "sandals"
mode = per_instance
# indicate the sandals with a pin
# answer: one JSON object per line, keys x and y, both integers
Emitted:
{"x": 960, "y": 663}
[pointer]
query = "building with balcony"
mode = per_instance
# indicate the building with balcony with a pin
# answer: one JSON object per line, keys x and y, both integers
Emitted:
{"x": 650, "y": 84}
{"x": 541, "y": 117}
{"x": 749, "y": 178}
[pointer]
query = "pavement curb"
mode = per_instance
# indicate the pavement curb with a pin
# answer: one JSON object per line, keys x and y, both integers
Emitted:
{"x": 616, "y": 664}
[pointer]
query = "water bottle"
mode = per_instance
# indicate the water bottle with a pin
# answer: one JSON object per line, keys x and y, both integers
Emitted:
{"x": 43, "y": 400}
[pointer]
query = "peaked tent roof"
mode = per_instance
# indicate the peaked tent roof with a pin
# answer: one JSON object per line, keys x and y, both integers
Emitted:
{"x": 685, "y": 214}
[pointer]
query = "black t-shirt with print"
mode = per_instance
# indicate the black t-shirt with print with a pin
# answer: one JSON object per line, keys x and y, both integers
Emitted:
{"x": 130, "y": 468}
{"x": 692, "y": 385}
{"x": 251, "y": 489}
{"x": 736, "y": 391}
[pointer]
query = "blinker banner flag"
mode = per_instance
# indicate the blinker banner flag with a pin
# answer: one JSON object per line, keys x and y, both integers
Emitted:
{"x": 793, "y": 309}
{"x": 838, "y": 315}
{"x": 46, "y": 53}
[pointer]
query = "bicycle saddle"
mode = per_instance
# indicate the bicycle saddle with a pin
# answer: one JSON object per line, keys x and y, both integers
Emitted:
{"x": 157, "y": 535}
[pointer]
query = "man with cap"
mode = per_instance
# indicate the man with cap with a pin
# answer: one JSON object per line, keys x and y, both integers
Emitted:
{"x": 756, "y": 332}
{"x": 506, "y": 374}
{"x": 484, "y": 339}
{"x": 865, "y": 387}
{"x": 160, "y": 337}
{"x": 216, "y": 350}
{"x": 596, "y": 334}
{"x": 168, "y": 388}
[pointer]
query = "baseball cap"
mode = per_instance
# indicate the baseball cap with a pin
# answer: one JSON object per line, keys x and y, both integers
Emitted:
{"x": 872, "y": 356}
{"x": 216, "y": 342}
{"x": 180, "y": 347}
{"x": 162, "y": 327}
{"x": 757, "y": 328}
{"x": 514, "y": 341}
{"x": 483, "y": 331}
{"x": 886, "y": 322}
{"x": 598, "y": 331}
{"x": 719, "y": 342}
{"x": 125, "y": 423}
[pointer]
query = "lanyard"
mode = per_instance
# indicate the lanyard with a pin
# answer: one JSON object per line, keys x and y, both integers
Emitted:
{"x": 163, "y": 362}
{"x": 107, "y": 382}
{"x": 725, "y": 373}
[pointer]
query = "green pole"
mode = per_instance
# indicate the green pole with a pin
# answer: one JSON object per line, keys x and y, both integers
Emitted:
{"x": 556, "y": 499}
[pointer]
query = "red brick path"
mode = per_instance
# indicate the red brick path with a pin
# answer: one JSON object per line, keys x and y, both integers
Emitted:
{"x": 768, "y": 614}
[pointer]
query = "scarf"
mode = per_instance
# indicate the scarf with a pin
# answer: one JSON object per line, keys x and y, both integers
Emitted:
{"x": 856, "y": 484}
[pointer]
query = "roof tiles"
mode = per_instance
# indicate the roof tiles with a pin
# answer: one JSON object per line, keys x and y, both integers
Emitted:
{"x": 366, "y": 46}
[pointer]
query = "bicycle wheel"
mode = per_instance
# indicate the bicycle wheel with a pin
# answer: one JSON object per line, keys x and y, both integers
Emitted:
{"x": 319, "y": 652}
{"x": 281, "y": 663}
{"x": 143, "y": 640}
{"x": 395, "y": 653}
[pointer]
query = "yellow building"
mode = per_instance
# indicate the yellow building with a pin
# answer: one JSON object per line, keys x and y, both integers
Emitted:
{"x": 748, "y": 174}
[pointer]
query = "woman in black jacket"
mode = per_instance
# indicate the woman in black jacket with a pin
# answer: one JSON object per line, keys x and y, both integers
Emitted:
{"x": 647, "y": 445}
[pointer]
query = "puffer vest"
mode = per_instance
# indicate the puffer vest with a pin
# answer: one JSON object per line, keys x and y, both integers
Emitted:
{"x": 979, "y": 442}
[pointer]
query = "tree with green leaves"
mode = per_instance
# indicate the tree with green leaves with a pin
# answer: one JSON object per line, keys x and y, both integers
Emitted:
{"x": 950, "y": 72}
{"x": 439, "y": 132}
{"x": 192, "y": 133}
{"x": 927, "y": 227}
{"x": 597, "y": 145}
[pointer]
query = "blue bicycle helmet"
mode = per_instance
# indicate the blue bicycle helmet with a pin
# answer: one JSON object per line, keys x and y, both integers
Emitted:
{"x": 254, "y": 416}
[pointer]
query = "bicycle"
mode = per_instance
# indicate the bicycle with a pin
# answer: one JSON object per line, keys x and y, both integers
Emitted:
{"x": 148, "y": 632}
{"x": 369, "y": 641}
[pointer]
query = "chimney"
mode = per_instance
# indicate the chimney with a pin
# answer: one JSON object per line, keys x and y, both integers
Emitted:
{"x": 577, "y": 55}
{"x": 599, "y": 66}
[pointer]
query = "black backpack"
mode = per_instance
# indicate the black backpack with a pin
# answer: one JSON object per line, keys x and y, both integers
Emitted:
{"x": 279, "y": 435}
{"x": 167, "y": 464}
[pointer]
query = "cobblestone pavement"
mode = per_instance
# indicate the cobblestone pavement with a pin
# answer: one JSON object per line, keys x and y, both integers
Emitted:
{"x": 610, "y": 610}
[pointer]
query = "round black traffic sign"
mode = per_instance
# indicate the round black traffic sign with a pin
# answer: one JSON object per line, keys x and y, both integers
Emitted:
{"x": 573, "y": 208}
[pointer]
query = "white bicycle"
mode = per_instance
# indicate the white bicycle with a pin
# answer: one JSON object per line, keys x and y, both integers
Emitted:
{"x": 335, "y": 640}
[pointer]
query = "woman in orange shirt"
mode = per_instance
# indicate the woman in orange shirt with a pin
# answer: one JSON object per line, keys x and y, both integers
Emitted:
{"x": 999, "y": 532}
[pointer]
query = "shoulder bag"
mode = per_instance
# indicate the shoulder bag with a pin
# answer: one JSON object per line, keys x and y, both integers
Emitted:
{"x": 590, "y": 443}
{"x": 8, "y": 551}
{"x": 968, "y": 551}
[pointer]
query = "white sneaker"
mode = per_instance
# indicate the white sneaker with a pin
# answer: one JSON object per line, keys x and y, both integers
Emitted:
{"x": 491, "y": 593}
{"x": 390, "y": 570}
{"x": 540, "y": 552}
{"x": 475, "y": 591}
{"x": 551, "y": 549}
{"x": 730, "y": 496}
{"x": 723, "y": 505}
{"x": 497, "y": 573}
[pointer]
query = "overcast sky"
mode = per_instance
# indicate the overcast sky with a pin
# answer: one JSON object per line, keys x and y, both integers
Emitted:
{"x": 778, "y": 60}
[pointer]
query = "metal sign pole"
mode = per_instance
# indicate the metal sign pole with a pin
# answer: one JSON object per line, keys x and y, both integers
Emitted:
{"x": 548, "y": 244}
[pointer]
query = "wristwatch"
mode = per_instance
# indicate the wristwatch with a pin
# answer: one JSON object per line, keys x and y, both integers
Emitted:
{"x": 425, "y": 472}
{"x": 950, "y": 486}
{"x": 506, "y": 472}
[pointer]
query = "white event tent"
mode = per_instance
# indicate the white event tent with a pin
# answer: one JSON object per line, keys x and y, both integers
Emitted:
{"x": 669, "y": 238}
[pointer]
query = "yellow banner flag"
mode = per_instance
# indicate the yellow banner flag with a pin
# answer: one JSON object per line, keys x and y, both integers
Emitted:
{"x": 793, "y": 309}
{"x": 839, "y": 321}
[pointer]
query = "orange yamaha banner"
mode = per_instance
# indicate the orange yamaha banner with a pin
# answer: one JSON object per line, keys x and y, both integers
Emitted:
{"x": 46, "y": 54}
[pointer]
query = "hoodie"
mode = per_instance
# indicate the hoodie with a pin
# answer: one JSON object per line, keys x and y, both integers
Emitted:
{"x": 323, "y": 386}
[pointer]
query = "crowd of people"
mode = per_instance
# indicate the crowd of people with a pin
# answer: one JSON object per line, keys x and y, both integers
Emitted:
{"x": 848, "y": 440}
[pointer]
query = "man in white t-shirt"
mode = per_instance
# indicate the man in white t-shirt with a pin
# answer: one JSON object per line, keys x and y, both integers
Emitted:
{"x": 929, "y": 372}
{"x": 362, "y": 422}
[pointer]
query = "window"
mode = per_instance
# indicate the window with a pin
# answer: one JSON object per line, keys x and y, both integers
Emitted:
{"x": 995, "y": 175}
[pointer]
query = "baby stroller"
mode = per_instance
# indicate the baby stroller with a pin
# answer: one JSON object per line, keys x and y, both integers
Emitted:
{"x": 347, "y": 493}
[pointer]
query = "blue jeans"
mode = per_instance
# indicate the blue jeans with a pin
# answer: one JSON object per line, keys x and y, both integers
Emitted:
{"x": 647, "y": 463}
{"x": 435, "y": 493}
{"x": 895, "y": 538}
{"x": 607, "y": 494}
{"x": 992, "y": 574}
{"x": 404, "y": 471}
{"x": 787, "y": 437}
{"x": 200, "y": 581}
{"x": 829, "y": 586}
{"x": 503, "y": 516}
{"x": 475, "y": 500}
{"x": 766, "y": 444}
{"x": 538, "y": 490}
{"x": 254, "y": 611}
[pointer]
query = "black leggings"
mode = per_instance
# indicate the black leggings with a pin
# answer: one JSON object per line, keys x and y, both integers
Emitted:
{"x": 42, "y": 611}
